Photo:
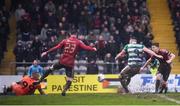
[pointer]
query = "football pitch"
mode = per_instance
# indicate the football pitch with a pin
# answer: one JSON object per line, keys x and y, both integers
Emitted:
{"x": 93, "y": 99}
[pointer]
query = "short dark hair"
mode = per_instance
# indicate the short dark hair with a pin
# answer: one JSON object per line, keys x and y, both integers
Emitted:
{"x": 133, "y": 37}
{"x": 155, "y": 44}
{"x": 74, "y": 32}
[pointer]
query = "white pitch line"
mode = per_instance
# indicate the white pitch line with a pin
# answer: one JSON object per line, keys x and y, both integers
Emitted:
{"x": 168, "y": 98}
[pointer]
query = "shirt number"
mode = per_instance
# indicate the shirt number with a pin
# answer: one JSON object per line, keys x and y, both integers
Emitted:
{"x": 25, "y": 84}
{"x": 69, "y": 48}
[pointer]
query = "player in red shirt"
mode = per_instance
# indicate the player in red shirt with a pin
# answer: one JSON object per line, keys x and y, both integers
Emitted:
{"x": 25, "y": 86}
{"x": 71, "y": 46}
{"x": 164, "y": 68}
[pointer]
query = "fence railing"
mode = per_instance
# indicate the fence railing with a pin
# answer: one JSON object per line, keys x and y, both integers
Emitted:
{"x": 79, "y": 68}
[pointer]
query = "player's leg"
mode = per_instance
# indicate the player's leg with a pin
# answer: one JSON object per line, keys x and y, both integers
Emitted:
{"x": 132, "y": 72}
{"x": 166, "y": 73}
{"x": 52, "y": 68}
{"x": 10, "y": 90}
{"x": 7, "y": 90}
{"x": 159, "y": 77}
{"x": 16, "y": 89}
{"x": 158, "y": 82}
{"x": 123, "y": 77}
{"x": 69, "y": 79}
{"x": 163, "y": 86}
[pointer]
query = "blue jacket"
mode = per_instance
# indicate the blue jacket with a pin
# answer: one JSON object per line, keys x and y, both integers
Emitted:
{"x": 37, "y": 69}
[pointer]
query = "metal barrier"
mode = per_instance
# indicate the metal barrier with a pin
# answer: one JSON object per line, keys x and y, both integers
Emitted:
{"x": 103, "y": 67}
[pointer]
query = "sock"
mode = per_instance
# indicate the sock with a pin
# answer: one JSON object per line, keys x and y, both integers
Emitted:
{"x": 9, "y": 89}
{"x": 165, "y": 90}
{"x": 67, "y": 86}
{"x": 124, "y": 84}
{"x": 128, "y": 81}
{"x": 157, "y": 85}
{"x": 45, "y": 75}
{"x": 164, "y": 87}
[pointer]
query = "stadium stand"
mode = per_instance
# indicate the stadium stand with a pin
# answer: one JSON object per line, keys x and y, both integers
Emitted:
{"x": 162, "y": 28}
{"x": 9, "y": 40}
{"x": 174, "y": 6}
{"x": 4, "y": 29}
{"x": 108, "y": 24}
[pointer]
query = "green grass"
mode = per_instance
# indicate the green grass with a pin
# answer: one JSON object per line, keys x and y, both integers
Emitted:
{"x": 174, "y": 95}
{"x": 88, "y": 99}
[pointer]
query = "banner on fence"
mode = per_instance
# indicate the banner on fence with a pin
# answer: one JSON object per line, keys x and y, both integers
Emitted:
{"x": 98, "y": 83}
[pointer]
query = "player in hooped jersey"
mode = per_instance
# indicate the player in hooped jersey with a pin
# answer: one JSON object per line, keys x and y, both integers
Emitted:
{"x": 71, "y": 46}
{"x": 164, "y": 68}
{"x": 135, "y": 61}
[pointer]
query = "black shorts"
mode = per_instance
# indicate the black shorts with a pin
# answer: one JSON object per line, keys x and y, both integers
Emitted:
{"x": 165, "y": 70}
{"x": 68, "y": 70}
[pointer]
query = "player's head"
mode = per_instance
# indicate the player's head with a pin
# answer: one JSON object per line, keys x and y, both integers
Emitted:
{"x": 155, "y": 47}
{"x": 35, "y": 62}
{"x": 132, "y": 40}
{"x": 73, "y": 34}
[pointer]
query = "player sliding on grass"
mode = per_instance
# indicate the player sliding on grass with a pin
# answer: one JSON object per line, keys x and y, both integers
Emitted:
{"x": 164, "y": 68}
{"x": 25, "y": 86}
{"x": 135, "y": 61}
{"x": 70, "y": 47}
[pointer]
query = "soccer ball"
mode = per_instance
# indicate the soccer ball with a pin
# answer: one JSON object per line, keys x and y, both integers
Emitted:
{"x": 100, "y": 77}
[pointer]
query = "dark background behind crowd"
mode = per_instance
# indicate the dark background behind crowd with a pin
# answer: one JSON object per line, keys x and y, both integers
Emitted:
{"x": 4, "y": 28}
{"x": 174, "y": 6}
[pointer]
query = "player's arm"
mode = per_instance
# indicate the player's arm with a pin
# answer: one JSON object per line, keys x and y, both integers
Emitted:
{"x": 19, "y": 82}
{"x": 152, "y": 53}
{"x": 54, "y": 48}
{"x": 171, "y": 57}
{"x": 120, "y": 55}
{"x": 41, "y": 91}
{"x": 145, "y": 65}
{"x": 85, "y": 47}
{"x": 41, "y": 70}
{"x": 30, "y": 72}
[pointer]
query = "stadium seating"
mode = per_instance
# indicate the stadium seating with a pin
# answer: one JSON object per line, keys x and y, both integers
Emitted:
{"x": 162, "y": 29}
{"x": 82, "y": 69}
{"x": 21, "y": 70}
{"x": 118, "y": 18}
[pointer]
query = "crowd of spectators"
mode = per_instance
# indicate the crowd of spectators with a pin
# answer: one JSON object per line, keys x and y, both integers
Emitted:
{"x": 4, "y": 29}
{"x": 174, "y": 6}
{"x": 106, "y": 24}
